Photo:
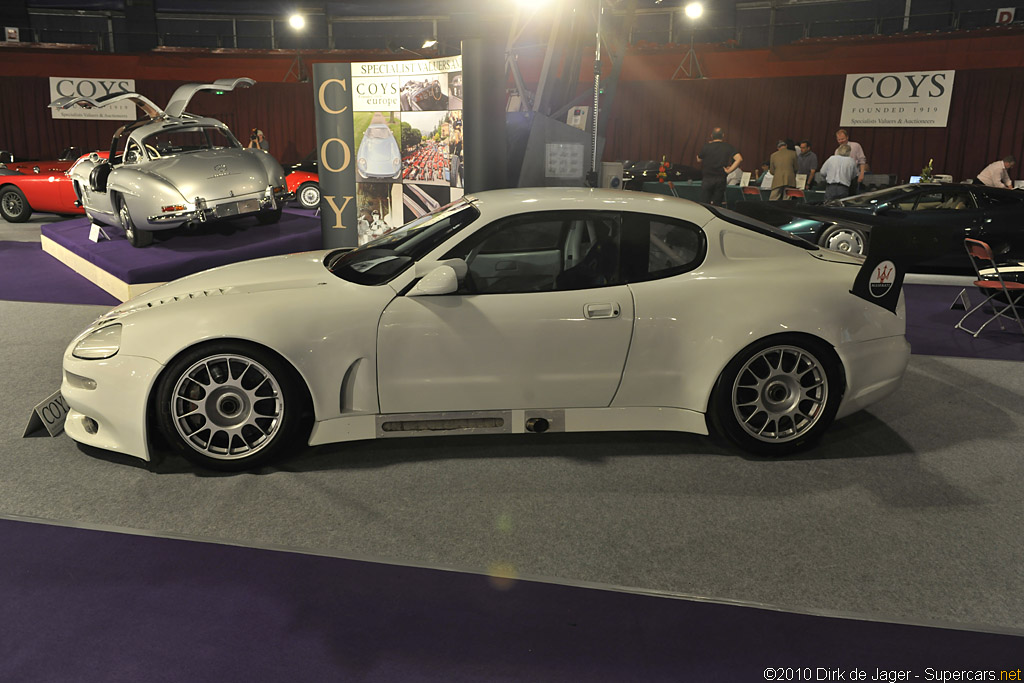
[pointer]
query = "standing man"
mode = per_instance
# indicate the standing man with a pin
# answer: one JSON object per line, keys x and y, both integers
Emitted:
{"x": 719, "y": 159}
{"x": 782, "y": 166}
{"x": 995, "y": 174}
{"x": 840, "y": 171}
{"x": 806, "y": 162}
{"x": 856, "y": 153}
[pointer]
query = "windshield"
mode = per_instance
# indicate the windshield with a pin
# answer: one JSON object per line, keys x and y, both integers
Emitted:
{"x": 889, "y": 194}
{"x": 380, "y": 261}
{"x": 191, "y": 139}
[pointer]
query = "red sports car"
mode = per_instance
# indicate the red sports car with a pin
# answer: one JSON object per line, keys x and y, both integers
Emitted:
{"x": 50, "y": 191}
{"x": 306, "y": 187}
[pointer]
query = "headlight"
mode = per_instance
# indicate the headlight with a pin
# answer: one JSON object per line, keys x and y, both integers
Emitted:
{"x": 361, "y": 162}
{"x": 103, "y": 343}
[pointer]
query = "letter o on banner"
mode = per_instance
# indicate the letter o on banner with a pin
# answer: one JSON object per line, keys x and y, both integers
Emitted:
{"x": 344, "y": 147}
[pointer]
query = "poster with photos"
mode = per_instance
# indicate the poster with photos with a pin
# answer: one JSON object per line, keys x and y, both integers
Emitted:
{"x": 407, "y": 120}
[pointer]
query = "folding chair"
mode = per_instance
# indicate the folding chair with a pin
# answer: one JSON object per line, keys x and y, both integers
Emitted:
{"x": 751, "y": 191}
{"x": 1003, "y": 295}
{"x": 795, "y": 194}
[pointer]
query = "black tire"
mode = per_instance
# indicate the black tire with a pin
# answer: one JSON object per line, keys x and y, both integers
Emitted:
{"x": 136, "y": 237}
{"x": 231, "y": 427}
{"x": 308, "y": 195}
{"x": 846, "y": 240}
{"x": 778, "y": 395}
{"x": 13, "y": 205}
{"x": 269, "y": 217}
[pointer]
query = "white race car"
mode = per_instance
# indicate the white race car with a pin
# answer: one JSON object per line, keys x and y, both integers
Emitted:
{"x": 526, "y": 310}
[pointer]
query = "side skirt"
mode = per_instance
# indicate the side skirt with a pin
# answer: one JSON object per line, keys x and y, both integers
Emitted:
{"x": 374, "y": 426}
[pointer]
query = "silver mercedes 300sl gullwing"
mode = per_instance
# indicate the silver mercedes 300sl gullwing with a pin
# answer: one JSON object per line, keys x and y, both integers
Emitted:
{"x": 173, "y": 168}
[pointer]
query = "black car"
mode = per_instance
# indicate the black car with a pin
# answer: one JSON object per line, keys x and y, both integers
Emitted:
{"x": 942, "y": 215}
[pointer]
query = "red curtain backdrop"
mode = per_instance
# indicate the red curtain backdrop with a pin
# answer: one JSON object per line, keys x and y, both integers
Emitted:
{"x": 674, "y": 118}
{"x": 283, "y": 111}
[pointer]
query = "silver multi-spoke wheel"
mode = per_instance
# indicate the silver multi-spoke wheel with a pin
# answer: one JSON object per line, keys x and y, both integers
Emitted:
{"x": 227, "y": 406}
{"x": 309, "y": 195}
{"x": 13, "y": 203}
{"x": 846, "y": 240}
{"x": 14, "y": 206}
{"x": 780, "y": 394}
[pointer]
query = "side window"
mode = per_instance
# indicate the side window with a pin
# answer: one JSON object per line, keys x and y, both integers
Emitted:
{"x": 943, "y": 200}
{"x": 542, "y": 252}
{"x": 656, "y": 246}
{"x": 674, "y": 247}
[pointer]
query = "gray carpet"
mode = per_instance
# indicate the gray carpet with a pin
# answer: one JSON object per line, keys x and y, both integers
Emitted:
{"x": 911, "y": 511}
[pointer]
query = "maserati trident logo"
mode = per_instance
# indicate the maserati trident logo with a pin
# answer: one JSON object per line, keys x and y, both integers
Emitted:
{"x": 881, "y": 279}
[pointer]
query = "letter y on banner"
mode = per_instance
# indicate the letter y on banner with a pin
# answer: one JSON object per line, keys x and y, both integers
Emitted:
{"x": 332, "y": 92}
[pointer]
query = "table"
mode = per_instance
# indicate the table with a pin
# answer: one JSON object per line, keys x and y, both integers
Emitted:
{"x": 691, "y": 190}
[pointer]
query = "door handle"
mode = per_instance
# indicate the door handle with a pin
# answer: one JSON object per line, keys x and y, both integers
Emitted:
{"x": 595, "y": 311}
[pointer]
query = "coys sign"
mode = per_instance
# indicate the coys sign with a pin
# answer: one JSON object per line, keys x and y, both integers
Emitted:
{"x": 918, "y": 99}
{"x": 93, "y": 87}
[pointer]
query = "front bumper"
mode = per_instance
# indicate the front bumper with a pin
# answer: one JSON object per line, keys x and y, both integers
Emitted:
{"x": 113, "y": 393}
{"x": 874, "y": 369}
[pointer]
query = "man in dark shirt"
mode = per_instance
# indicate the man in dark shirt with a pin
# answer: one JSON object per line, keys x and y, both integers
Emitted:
{"x": 719, "y": 158}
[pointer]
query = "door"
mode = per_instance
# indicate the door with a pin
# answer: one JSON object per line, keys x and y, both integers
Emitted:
{"x": 543, "y": 319}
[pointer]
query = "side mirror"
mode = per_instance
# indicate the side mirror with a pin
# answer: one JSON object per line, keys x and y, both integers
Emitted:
{"x": 882, "y": 208}
{"x": 441, "y": 280}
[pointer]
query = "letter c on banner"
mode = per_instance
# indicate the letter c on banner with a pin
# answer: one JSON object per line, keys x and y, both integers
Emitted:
{"x": 323, "y": 99}
{"x": 869, "y": 79}
{"x": 323, "y": 154}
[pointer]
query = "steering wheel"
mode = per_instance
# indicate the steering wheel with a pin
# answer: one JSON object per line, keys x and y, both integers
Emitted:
{"x": 152, "y": 151}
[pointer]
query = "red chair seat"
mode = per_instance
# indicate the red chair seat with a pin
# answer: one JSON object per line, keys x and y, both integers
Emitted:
{"x": 996, "y": 284}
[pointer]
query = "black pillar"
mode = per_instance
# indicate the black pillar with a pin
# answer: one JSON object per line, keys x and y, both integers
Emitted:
{"x": 484, "y": 137}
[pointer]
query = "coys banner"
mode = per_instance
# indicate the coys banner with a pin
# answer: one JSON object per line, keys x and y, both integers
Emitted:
{"x": 95, "y": 88}
{"x": 389, "y": 136}
{"x": 910, "y": 99}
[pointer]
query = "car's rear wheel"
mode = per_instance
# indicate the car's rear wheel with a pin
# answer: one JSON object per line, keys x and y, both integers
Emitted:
{"x": 309, "y": 195}
{"x": 271, "y": 216}
{"x": 136, "y": 237}
{"x": 778, "y": 395}
{"x": 13, "y": 205}
{"x": 230, "y": 406}
{"x": 844, "y": 239}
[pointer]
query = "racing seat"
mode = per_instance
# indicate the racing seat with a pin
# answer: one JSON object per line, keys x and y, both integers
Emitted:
{"x": 751, "y": 192}
{"x": 598, "y": 267}
{"x": 1003, "y": 295}
{"x": 98, "y": 177}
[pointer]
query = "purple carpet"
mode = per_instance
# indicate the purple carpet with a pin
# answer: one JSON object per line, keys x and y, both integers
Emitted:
{"x": 27, "y": 273}
{"x": 931, "y": 326}
{"x": 176, "y": 253}
{"x": 89, "y": 605}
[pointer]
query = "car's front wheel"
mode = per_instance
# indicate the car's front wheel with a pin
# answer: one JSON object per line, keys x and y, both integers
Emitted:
{"x": 309, "y": 195}
{"x": 778, "y": 395}
{"x": 230, "y": 406}
{"x": 844, "y": 239}
{"x": 136, "y": 237}
{"x": 14, "y": 206}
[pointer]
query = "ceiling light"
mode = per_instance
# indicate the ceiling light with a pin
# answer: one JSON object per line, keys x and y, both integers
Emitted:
{"x": 429, "y": 42}
{"x": 694, "y": 10}
{"x": 297, "y": 21}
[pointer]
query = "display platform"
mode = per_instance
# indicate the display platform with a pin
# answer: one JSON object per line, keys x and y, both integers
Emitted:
{"x": 125, "y": 271}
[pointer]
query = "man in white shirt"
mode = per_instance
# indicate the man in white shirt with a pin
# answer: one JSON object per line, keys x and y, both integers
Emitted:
{"x": 995, "y": 174}
{"x": 839, "y": 171}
